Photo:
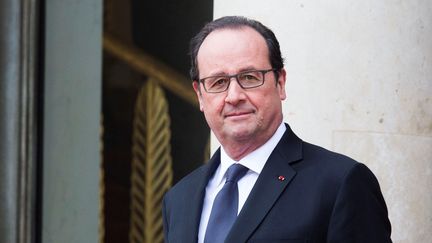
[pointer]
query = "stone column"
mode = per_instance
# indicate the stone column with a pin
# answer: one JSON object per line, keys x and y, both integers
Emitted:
{"x": 72, "y": 108}
{"x": 18, "y": 45}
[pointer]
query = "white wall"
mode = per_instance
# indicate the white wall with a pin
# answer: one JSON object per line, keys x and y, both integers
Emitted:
{"x": 359, "y": 81}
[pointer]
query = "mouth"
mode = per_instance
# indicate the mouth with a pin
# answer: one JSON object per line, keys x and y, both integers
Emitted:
{"x": 239, "y": 114}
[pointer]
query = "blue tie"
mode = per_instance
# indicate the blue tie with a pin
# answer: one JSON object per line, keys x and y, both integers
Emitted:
{"x": 225, "y": 206}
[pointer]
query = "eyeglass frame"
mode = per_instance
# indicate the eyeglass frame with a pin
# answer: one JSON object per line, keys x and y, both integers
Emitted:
{"x": 236, "y": 76}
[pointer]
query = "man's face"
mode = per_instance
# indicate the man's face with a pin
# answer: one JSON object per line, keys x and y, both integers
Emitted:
{"x": 238, "y": 115}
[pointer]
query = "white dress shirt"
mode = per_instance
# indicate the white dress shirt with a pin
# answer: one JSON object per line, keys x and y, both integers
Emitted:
{"x": 254, "y": 161}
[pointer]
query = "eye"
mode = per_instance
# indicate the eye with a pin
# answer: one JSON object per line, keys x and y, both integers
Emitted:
{"x": 217, "y": 82}
{"x": 250, "y": 76}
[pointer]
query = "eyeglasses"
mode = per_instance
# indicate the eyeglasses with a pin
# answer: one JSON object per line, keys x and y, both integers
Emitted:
{"x": 246, "y": 80}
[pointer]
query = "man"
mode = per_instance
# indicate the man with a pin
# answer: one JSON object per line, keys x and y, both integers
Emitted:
{"x": 284, "y": 189}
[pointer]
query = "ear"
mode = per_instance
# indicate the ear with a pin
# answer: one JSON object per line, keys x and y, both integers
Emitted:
{"x": 281, "y": 82}
{"x": 197, "y": 88}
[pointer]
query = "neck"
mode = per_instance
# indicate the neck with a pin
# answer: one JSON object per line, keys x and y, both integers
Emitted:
{"x": 240, "y": 150}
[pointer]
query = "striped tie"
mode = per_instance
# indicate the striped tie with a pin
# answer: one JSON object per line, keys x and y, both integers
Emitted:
{"x": 225, "y": 206}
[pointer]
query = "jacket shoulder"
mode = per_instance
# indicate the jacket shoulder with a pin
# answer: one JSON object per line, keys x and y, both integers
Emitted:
{"x": 188, "y": 182}
{"x": 326, "y": 159}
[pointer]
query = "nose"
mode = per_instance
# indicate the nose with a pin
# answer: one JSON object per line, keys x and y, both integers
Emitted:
{"x": 235, "y": 93}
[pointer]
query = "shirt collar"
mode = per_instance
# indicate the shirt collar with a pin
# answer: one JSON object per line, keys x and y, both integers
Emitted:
{"x": 254, "y": 161}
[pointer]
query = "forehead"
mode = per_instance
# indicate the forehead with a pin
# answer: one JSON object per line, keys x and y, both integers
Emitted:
{"x": 231, "y": 50}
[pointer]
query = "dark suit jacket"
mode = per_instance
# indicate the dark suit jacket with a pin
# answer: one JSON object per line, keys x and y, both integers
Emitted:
{"x": 325, "y": 197}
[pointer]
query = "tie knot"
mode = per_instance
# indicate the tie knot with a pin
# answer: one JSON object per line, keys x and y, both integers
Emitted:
{"x": 235, "y": 172}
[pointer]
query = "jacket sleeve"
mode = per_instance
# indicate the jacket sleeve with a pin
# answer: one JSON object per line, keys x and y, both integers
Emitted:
{"x": 165, "y": 221}
{"x": 359, "y": 213}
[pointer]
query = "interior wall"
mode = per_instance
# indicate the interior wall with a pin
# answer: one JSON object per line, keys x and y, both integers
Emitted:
{"x": 71, "y": 130}
{"x": 163, "y": 30}
{"x": 359, "y": 83}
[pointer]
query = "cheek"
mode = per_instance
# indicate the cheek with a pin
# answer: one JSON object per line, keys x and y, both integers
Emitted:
{"x": 212, "y": 104}
{"x": 258, "y": 101}
{"x": 267, "y": 102}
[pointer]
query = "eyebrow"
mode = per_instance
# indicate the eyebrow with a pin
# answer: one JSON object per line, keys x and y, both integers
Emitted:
{"x": 244, "y": 69}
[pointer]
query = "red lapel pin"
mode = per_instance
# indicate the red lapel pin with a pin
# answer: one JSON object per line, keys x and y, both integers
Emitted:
{"x": 281, "y": 178}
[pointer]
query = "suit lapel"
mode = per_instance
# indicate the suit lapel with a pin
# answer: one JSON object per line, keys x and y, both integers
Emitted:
{"x": 194, "y": 209}
{"x": 274, "y": 178}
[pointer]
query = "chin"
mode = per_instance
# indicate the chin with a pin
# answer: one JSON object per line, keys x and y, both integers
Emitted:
{"x": 241, "y": 134}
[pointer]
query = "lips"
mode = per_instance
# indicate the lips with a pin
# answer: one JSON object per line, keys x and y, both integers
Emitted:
{"x": 238, "y": 114}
